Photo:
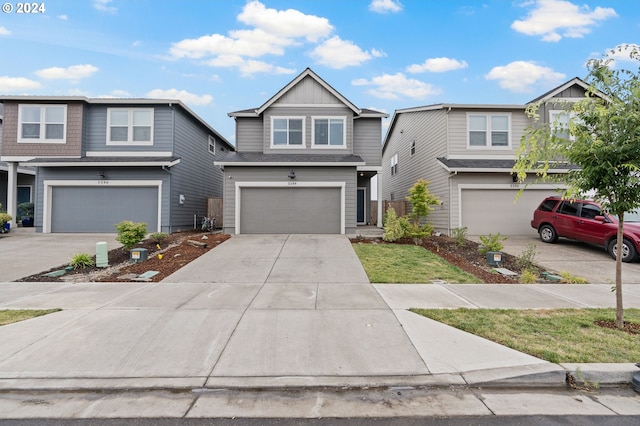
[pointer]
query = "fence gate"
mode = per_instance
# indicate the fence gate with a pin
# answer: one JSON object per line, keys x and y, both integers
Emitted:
{"x": 214, "y": 209}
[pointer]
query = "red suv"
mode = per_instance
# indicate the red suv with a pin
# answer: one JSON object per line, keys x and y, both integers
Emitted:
{"x": 584, "y": 220}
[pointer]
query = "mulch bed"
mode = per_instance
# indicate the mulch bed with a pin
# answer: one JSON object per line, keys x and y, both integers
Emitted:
{"x": 629, "y": 327}
{"x": 175, "y": 252}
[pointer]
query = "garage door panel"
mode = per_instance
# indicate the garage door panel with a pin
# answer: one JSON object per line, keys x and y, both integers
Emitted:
{"x": 489, "y": 211}
{"x": 290, "y": 210}
{"x": 97, "y": 209}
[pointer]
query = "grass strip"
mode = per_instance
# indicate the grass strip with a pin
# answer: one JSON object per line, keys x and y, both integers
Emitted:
{"x": 10, "y": 316}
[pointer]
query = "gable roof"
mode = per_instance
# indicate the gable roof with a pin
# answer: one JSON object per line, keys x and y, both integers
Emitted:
{"x": 576, "y": 81}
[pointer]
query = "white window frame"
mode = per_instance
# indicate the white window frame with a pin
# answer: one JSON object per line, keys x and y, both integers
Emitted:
{"x": 288, "y": 146}
{"x": 130, "y": 141}
{"x": 43, "y": 124}
{"x": 552, "y": 118}
{"x": 412, "y": 148}
{"x": 212, "y": 145}
{"x": 322, "y": 146}
{"x": 488, "y": 131}
{"x": 393, "y": 162}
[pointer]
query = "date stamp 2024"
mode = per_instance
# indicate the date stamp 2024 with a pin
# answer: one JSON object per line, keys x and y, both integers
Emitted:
{"x": 24, "y": 8}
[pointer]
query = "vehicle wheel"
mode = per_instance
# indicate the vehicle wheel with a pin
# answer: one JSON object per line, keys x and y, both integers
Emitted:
{"x": 548, "y": 234}
{"x": 629, "y": 252}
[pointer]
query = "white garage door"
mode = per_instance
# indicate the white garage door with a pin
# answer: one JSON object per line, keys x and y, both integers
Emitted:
{"x": 97, "y": 208}
{"x": 290, "y": 211}
{"x": 489, "y": 211}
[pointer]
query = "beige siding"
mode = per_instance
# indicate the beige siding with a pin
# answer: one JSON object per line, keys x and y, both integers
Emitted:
{"x": 72, "y": 147}
{"x": 367, "y": 140}
{"x": 249, "y": 134}
{"x": 428, "y": 129}
{"x": 308, "y": 91}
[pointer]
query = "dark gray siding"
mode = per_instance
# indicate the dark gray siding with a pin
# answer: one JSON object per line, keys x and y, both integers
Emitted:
{"x": 195, "y": 176}
{"x": 279, "y": 174}
{"x": 249, "y": 134}
{"x": 96, "y": 135}
{"x": 90, "y": 174}
{"x": 367, "y": 140}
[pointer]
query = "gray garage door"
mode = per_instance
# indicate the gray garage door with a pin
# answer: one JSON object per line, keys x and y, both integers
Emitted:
{"x": 97, "y": 209}
{"x": 290, "y": 211}
{"x": 488, "y": 211}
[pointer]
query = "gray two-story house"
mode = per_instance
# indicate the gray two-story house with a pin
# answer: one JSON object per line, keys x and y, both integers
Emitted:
{"x": 467, "y": 152}
{"x": 102, "y": 161}
{"x": 304, "y": 162}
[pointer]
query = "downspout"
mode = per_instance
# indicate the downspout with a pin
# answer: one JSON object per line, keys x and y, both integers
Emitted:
{"x": 173, "y": 146}
{"x": 450, "y": 175}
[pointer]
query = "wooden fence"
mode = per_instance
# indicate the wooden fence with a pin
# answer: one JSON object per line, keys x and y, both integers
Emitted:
{"x": 214, "y": 209}
{"x": 399, "y": 206}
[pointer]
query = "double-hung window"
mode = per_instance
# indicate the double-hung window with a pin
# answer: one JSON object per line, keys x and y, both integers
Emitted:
{"x": 287, "y": 132}
{"x": 489, "y": 130}
{"x": 130, "y": 126}
{"x": 42, "y": 123}
{"x": 328, "y": 132}
{"x": 394, "y": 164}
{"x": 559, "y": 121}
{"x": 212, "y": 145}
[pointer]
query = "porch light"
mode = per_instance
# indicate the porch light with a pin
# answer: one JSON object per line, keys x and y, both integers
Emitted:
{"x": 292, "y": 175}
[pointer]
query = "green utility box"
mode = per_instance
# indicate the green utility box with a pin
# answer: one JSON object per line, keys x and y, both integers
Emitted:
{"x": 138, "y": 255}
{"x": 102, "y": 255}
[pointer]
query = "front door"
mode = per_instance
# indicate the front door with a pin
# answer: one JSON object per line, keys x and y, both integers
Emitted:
{"x": 361, "y": 207}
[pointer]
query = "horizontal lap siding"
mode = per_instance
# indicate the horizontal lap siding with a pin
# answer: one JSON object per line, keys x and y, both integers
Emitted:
{"x": 249, "y": 134}
{"x": 367, "y": 140}
{"x": 429, "y": 130}
{"x": 279, "y": 174}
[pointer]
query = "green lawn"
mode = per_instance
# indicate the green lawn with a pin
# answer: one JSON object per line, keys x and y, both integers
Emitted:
{"x": 11, "y": 316}
{"x": 559, "y": 335}
{"x": 397, "y": 263}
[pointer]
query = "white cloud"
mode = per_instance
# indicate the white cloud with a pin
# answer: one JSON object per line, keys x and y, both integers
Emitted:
{"x": 63, "y": 17}
{"x": 247, "y": 67}
{"x": 437, "y": 65}
{"x": 520, "y": 76}
{"x": 117, "y": 94}
{"x": 337, "y": 53}
{"x": 4, "y": 31}
{"x": 288, "y": 23}
{"x": 397, "y": 86}
{"x": 74, "y": 72}
{"x": 624, "y": 52}
{"x": 104, "y": 6}
{"x": 554, "y": 19}
{"x": 14, "y": 84}
{"x": 385, "y": 6}
{"x": 183, "y": 95}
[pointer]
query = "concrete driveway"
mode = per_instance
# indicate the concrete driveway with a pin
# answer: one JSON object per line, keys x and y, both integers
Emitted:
{"x": 580, "y": 259}
{"x": 26, "y": 252}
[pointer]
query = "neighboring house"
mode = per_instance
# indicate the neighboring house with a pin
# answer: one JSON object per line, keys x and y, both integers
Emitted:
{"x": 304, "y": 162}
{"x": 102, "y": 161}
{"x": 25, "y": 181}
{"x": 467, "y": 152}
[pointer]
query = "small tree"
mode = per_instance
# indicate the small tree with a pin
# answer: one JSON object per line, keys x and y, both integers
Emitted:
{"x": 421, "y": 201}
{"x": 603, "y": 144}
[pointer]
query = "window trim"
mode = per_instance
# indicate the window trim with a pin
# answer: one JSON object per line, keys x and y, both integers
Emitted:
{"x": 328, "y": 146}
{"x": 43, "y": 124}
{"x": 130, "y": 141}
{"x": 488, "y": 131}
{"x": 288, "y": 146}
{"x": 212, "y": 143}
{"x": 393, "y": 162}
{"x": 556, "y": 112}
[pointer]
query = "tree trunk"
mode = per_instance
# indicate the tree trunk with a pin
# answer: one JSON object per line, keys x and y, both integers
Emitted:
{"x": 619, "y": 309}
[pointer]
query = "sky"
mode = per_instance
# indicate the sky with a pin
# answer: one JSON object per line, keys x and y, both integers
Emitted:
{"x": 219, "y": 56}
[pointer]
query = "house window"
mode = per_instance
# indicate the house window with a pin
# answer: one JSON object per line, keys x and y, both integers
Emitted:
{"x": 129, "y": 126}
{"x": 287, "y": 132}
{"x": 489, "y": 130}
{"x": 212, "y": 145}
{"x": 328, "y": 133}
{"x": 559, "y": 121}
{"x": 42, "y": 123}
{"x": 394, "y": 164}
{"x": 413, "y": 147}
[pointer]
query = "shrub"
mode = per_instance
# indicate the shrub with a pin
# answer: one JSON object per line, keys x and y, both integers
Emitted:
{"x": 459, "y": 235}
{"x": 526, "y": 260}
{"x": 569, "y": 278}
{"x": 158, "y": 236}
{"x": 392, "y": 228}
{"x": 129, "y": 233}
{"x": 491, "y": 242}
{"x": 25, "y": 210}
{"x": 4, "y": 218}
{"x": 528, "y": 277}
{"x": 81, "y": 261}
{"x": 421, "y": 201}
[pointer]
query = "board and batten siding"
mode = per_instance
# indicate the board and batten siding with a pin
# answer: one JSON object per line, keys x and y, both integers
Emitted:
{"x": 91, "y": 174}
{"x": 308, "y": 112}
{"x": 367, "y": 140}
{"x": 279, "y": 174}
{"x": 97, "y": 130}
{"x": 249, "y": 134}
{"x": 309, "y": 91}
{"x": 429, "y": 130}
{"x": 195, "y": 176}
